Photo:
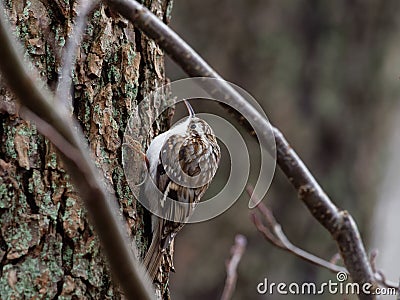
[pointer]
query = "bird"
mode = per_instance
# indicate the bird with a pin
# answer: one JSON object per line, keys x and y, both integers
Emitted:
{"x": 181, "y": 164}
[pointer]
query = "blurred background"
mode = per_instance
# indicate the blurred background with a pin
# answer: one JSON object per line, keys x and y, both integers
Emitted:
{"x": 327, "y": 74}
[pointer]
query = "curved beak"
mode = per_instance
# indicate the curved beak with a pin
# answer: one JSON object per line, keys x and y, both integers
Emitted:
{"x": 189, "y": 108}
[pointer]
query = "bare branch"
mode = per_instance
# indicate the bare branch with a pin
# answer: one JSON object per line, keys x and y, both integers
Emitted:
{"x": 339, "y": 223}
{"x": 63, "y": 146}
{"x": 335, "y": 258}
{"x": 372, "y": 258}
{"x": 60, "y": 129}
{"x": 237, "y": 251}
{"x": 63, "y": 95}
{"x": 274, "y": 234}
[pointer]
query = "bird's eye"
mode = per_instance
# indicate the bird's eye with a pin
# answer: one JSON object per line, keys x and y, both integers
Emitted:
{"x": 193, "y": 126}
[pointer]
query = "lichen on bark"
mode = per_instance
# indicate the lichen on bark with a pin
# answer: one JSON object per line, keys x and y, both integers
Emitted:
{"x": 48, "y": 248}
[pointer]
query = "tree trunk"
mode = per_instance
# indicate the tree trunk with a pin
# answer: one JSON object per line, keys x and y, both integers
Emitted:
{"x": 47, "y": 245}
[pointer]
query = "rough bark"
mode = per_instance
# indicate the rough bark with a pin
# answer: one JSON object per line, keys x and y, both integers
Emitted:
{"x": 47, "y": 246}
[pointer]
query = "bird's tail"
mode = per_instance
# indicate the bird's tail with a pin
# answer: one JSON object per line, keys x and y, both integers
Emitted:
{"x": 152, "y": 260}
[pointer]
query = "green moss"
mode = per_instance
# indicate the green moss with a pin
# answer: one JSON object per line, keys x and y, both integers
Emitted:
{"x": 26, "y": 10}
{"x": 29, "y": 272}
{"x": 97, "y": 13}
{"x": 97, "y": 109}
{"x": 47, "y": 207}
{"x": 25, "y": 285}
{"x": 128, "y": 195}
{"x": 61, "y": 41}
{"x": 140, "y": 241}
{"x": 37, "y": 187}
{"x": 10, "y": 199}
{"x": 22, "y": 237}
{"x": 90, "y": 29}
{"x": 18, "y": 236}
{"x": 59, "y": 35}
{"x": 110, "y": 292}
{"x": 31, "y": 188}
{"x": 51, "y": 257}
{"x": 121, "y": 187}
{"x": 114, "y": 124}
{"x": 85, "y": 46}
{"x": 9, "y": 143}
{"x": 131, "y": 55}
{"x": 69, "y": 216}
{"x": 70, "y": 202}
{"x": 68, "y": 184}
{"x": 117, "y": 95}
{"x": 67, "y": 255}
{"x": 43, "y": 196}
{"x": 104, "y": 155}
{"x": 87, "y": 118}
{"x": 52, "y": 162}
{"x": 6, "y": 193}
{"x": 3, "y": 189}
{"x": 80, "y": 266}
{"x": 9, "y": 4}
{"x": 29, "y": 131}
{"x": 169, "y": 10}
{"x": 75, "y": 79}
{"x": 130, "y": 90}
{"x": 24, "y": 131}
{"x": 96, "y": 272}
{"x": 50, "y": 62}
{"x": 7, "y": 291}
{"x": 33, "y": 146}
{"x": 23, "y": 205}
{"x": 30, "y": 49}
{"x": 22, "y": 31}
{"x": 93, "y": 247}
{"x": 115, "y": 57}
{"x": 117, "y": 178}
{"x": 114, "y": 74}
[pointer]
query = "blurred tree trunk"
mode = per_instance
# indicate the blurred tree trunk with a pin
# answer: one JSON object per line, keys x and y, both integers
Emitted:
{"x": 47, "y": 245}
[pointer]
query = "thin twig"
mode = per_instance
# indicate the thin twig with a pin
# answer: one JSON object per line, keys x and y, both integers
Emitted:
{"x": 100, "y": 204}
{"x": 237, "y": 251}
{"x": 372, "y": 258}
{"x": 335, "y": 258}
{"x": 65, "y": 148}
{"x": 274, "y": 234}
{"x": 339, "y": 223}
{"x": 64, "y": 87}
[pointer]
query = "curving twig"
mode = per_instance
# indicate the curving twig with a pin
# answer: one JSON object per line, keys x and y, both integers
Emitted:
{"x": 339, "y": 223}
{"x": 58, "y": 126}
{"x": 237, "y": 251}
{"x": 63, "y": 95}
{"x": 273, "y": 233}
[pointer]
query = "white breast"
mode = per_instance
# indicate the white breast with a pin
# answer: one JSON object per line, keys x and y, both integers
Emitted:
{"x": 153, "y": 152}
